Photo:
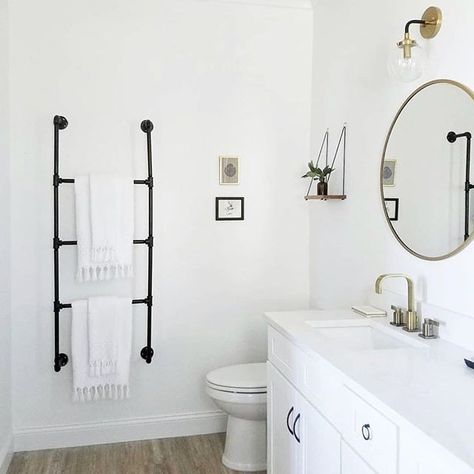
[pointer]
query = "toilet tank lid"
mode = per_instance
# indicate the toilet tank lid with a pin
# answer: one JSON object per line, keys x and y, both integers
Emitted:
{"x": 240, "y": 376}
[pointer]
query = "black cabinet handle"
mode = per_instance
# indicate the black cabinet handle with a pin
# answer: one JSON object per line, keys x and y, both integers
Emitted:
{"x": 366, "y": 434}
{"x": 294, "y": 427}
{"x": 288, "y": 420}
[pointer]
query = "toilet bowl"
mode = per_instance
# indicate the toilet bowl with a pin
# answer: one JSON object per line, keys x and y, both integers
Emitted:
{"x": 241, "y": 392}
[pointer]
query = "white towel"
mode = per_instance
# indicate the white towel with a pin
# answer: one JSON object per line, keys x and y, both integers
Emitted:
{"x": 106, "y": 386}
{"x": 104, "y": 227}
{"x": 104, "y": 316}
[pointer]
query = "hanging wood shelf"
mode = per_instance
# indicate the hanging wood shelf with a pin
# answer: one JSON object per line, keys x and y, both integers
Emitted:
{"x": 330, "y": 197}
{"x": 325, "y": 144}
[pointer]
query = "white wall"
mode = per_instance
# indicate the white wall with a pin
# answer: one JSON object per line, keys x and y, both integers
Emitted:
{"x": 5, "y": 321}
{"x": 216, "y": 78}
{"x": 350, "y": 241}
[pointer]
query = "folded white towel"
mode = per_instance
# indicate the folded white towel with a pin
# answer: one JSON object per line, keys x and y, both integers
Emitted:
{"x": 103, "y": 319}
{"x": 87, "y": 386}
{"x": 104, "y": 227}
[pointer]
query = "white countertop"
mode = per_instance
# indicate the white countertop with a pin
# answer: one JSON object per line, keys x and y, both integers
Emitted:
{"x": 430, "y": 388}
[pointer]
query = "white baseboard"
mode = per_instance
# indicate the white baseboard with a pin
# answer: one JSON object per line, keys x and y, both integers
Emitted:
{"x": 6, "y": 453}
{"x": 169, "y": 426}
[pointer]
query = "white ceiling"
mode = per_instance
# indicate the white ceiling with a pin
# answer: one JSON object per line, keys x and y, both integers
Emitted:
{"x": 304, "y": 4}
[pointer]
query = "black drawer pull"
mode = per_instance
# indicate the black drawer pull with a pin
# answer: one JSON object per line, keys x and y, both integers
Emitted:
{"x": 288, "y": 420}
{"x": 294, "y": 427}
{"x": 366, "y": 433}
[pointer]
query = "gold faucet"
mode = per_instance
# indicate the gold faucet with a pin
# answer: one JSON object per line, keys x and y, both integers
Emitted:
{"x": 411, "y": 316}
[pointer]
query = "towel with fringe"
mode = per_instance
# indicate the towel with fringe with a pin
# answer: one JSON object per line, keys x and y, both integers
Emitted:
{"x": 100, "y": 362}
{"x": 104, "y": 227}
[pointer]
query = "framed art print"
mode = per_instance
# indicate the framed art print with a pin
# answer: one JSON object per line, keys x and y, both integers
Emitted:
{"x": 392, "y": 207}
{"x": 229, "y": 170}
{"x": 388, "y": 173}
{"x": 229, "y": 208}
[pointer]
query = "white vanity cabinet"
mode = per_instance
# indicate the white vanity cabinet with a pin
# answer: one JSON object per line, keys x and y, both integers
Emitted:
{"x": 284, "y": 450}
{"x": 352, "y": 463}
{"x": 372, "y": 435}
{"x": 321, "y": 442}
{"x": 421, "y": 455}
{"x": 300, "y": 439}
{"x": 303, "y": 394}
{"x": 320, "y": 423}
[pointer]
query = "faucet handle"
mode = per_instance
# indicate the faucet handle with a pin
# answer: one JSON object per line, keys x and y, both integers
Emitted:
{"x": 428, "y": 329}
{"x": 397, "y": 316}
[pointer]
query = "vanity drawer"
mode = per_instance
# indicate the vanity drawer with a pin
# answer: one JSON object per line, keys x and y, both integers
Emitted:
{"x": 371, "y": 434}
{"x": 284, "y": 355}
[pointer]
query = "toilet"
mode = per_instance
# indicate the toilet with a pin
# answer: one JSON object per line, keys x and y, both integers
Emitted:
{"x": 241, "y": 392}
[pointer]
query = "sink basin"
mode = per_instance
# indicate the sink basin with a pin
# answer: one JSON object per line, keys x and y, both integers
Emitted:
{"x": 354, "y": 336}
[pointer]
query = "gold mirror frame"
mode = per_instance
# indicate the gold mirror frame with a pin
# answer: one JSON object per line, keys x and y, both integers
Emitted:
{"x": 387, "y": 140}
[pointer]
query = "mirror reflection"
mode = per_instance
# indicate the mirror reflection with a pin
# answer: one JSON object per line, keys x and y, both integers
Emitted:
{"x": 426, "y": 170}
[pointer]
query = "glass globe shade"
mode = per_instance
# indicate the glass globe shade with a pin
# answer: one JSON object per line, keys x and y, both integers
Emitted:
{"x": 407, "y": 69}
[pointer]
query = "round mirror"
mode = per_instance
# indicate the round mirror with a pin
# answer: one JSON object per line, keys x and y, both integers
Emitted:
{"x": 425, "y": 177}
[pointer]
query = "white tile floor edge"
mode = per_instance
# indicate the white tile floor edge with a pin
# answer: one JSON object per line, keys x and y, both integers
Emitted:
{"x": 168, "y": 426}
{"x": 6, "y": 453}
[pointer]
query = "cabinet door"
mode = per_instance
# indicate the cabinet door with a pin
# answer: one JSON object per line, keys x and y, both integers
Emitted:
{"x": 321, "y": 443}
{"x": 351, "y": 463}
{"x": 283, "y": 448}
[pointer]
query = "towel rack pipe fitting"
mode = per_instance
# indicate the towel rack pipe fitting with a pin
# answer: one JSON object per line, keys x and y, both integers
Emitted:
{"x": 61, "y": 359}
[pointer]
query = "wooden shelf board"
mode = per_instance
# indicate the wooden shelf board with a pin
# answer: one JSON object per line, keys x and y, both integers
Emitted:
{"x": 329, "y": 197}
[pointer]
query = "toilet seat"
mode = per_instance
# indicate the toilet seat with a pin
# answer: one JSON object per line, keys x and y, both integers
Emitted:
{"x": 240, "y": 379}
{"x": 220, "y": 388}
{"x": 251, "y": 398}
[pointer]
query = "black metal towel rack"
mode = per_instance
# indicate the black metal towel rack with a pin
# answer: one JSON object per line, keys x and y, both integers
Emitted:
{"x": 468, "y": 186}
{"x": 61, "y": 359}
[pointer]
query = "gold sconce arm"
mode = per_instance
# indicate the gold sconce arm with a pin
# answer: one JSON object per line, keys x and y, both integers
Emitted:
{"x": 430, "y": 24}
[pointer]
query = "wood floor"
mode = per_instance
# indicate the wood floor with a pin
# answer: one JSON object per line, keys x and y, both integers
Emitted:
{"x": 191, "y": 455}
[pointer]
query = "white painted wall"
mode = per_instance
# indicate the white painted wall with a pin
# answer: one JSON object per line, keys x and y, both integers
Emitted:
{"x": 216, "y": 78}
{"x": 350, "y": 242}
{"x": 5, "y": 320}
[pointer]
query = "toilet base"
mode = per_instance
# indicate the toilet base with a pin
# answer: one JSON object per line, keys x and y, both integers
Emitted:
{"x": 245, "y": 445}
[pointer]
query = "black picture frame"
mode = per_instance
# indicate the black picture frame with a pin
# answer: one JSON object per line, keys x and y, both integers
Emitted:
{"x": 240, "y": 217}
{"x": 393, "y": 218}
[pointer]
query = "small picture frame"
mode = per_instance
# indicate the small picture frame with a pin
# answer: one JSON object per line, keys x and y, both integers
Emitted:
{"x": 229, "y": 170}
{"x": 388, "y": 172}
{"x": 392, "y": 208}
{"x": 229, "y": 208}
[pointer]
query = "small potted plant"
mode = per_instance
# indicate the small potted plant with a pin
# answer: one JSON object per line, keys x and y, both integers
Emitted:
{"x": 322, "y": 175}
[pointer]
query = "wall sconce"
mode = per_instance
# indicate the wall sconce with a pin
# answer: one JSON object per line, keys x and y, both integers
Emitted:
{"x": 408, "y": 61}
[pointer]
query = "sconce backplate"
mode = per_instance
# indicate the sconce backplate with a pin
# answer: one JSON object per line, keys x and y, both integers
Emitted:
{"x": 433, "y": 17}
